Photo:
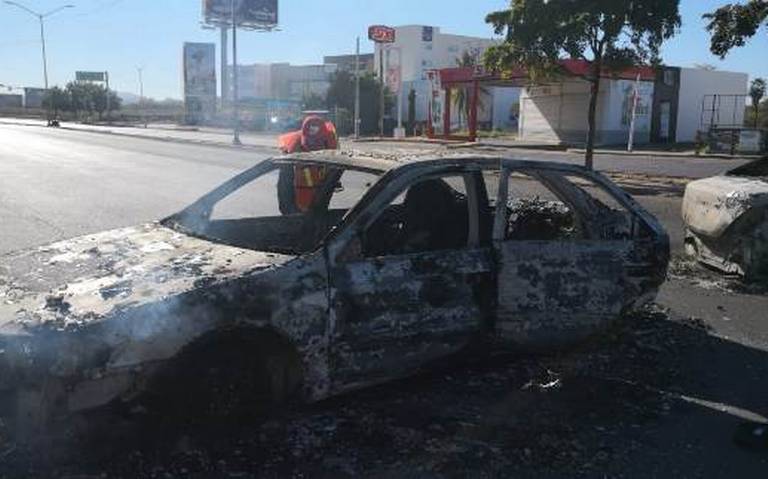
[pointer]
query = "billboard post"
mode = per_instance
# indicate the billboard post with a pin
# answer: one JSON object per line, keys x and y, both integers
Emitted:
{"x": 381, "y": 35}
{"x": 258, "y": 15}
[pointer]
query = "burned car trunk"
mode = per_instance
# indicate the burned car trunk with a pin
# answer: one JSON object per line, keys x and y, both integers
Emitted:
{"x": 385, "y": 267}
{"x": 726, "y": 220}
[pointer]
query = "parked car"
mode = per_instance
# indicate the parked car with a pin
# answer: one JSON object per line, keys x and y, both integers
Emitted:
{"x": 233, "y": 303}
{"x": 726, "y": 219}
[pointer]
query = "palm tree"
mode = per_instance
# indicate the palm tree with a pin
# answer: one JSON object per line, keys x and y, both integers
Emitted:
{"x": 462, "y": 99}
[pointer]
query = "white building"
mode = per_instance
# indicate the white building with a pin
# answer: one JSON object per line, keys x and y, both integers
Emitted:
{"x": 418, "y": 49}
{"x": 674, "y": 105}
{"x": 282, "y": 81}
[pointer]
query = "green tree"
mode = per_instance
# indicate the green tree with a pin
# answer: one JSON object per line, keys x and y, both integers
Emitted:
{"x": 610, "y": 34}
{"x": 56, "y": 100}
{"x": 757, "y": 92}
{"x": 733, "y": 24}
{"x": 342, "y": 94}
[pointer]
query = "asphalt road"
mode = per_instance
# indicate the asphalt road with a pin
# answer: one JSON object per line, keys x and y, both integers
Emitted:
{"x": 61, "y": 184}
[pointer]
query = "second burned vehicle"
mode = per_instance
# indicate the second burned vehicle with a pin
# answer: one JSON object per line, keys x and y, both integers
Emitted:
{"x": 246, "y": 297}
{"x": 726, "y": 219}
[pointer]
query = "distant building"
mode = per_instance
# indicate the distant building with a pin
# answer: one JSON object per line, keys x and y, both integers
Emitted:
{"x": 282, "y": 81}
{"x": 347, "y": 62}
{"x": 419, "y": 49}
{"x": 33, "y": 97}
{"x": 11, "y": 101}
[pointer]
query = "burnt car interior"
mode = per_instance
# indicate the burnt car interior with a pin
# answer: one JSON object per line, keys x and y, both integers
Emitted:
{"x": 432, "y": 215}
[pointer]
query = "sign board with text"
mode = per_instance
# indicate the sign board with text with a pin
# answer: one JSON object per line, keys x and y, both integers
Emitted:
{"x": 381, "y": 34}
{"x": 248, "y": 13}
{"x": 90, "y": 76}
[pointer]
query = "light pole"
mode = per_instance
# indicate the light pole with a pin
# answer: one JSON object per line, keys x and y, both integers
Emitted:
{"x": 41, "y": 17}
{"x": 140, "y": 71}
{"x": 236, "y": 84}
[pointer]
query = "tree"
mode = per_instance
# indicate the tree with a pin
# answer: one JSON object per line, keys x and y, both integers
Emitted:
{"x": 610, "y": 34}
{"x": 342, "y": 94}
{"x": 732, "y": 25}
{"x": 56, "y": 100}
{"x": 757, "y": 92}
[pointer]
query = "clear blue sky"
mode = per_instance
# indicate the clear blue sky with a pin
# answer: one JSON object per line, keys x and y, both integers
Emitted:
{"x": 118, "y": 35}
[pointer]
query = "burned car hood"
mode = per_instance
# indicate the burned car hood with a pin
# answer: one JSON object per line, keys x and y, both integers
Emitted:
{"x": 712, "y": 205}
{"x": 82, "y": 280}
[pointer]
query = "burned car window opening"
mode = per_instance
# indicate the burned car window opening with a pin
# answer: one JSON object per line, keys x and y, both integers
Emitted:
{"x": 287, "y": 208}
{"x": 430, "y": 215}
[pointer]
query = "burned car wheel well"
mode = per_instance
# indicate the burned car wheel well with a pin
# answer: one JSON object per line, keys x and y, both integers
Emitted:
{"x": 229, "y": 372}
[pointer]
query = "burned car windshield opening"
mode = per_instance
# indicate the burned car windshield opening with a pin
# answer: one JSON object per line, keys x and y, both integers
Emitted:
{"x": 280, "y": 207}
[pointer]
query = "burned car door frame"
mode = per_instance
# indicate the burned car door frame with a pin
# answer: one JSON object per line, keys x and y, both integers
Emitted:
{"x": 391, "y": 313}
{"x": 555, "y": 292}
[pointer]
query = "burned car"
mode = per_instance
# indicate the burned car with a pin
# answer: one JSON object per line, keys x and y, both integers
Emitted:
{"x": 726, "y": 219}
{"x": 385, "y": 267}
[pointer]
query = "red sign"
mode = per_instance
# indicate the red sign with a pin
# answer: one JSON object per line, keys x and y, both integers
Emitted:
{"x": 381, "y": 34}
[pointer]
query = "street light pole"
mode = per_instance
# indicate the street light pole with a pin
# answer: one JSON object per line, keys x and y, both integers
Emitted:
{"x": 41, "y": 18}
{"x": 236, "y": 85}
{"x": 140, "y": 71}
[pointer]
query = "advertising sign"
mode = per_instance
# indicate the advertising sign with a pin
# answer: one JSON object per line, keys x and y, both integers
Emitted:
{"x": 381, "y": 34}
{"x": 393, "y": 71}
{"x": 199, "y": 80}
{"x": 248, "y": 13}
{"x": 90, "y": 76}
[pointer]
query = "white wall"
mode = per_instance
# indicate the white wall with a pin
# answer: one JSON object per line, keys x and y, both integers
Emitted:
{"x": 418, "y": 56}
{"x": 695, "y": 85}
{"x": 617, "y": 112}
{"x": 557, "y": 113}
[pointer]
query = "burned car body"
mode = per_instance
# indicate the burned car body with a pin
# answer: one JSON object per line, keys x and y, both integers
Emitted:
{"x": 726, "y": 219}
{"x": 396, "y": 265}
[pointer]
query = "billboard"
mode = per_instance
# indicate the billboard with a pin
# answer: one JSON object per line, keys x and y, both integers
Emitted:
{"x": 248, "y": 13}
{"x": 381, "y": 34}
{"x": 199, "y": 72}
{"x": 90, "y": 76}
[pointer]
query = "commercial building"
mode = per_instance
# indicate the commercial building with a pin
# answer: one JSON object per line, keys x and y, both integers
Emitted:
{"x": 282, "y": 81}
{"x": 366, "y": 62}
{"x": 33, "y": 97}
{"x": 11, "y": 100}
{"x": 417, "y": 50}
{"x": 674, "y": 105}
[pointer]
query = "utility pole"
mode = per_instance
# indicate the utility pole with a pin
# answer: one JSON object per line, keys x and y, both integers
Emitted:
{"x": 109, "y": 98}
{"x": 224, "y": 62}
{"x": 357, "y": 89}
{"x": 140, "y": 71}
{"x": 381, "y": 90}
{"x": 236, "y": 89}
{"x": 635, "y": 100}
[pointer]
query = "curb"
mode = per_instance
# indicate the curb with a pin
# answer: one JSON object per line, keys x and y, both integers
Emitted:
{"x": 167, "y": 139}
{"x": 668, "y": 154}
